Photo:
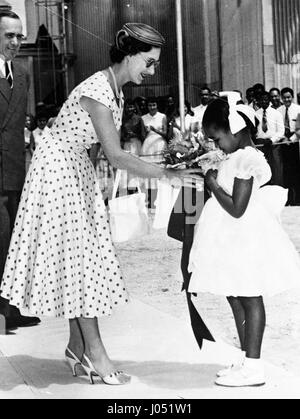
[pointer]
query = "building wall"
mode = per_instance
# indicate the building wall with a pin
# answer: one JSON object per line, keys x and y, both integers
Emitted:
{"x": 277, "y": 75}
{"x": 241, "y": 43}
{"x": 96, "y": 23}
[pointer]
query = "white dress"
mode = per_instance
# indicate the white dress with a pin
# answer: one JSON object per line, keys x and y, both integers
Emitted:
{"x": 154, "y": 143}
{"x": 61, "y": 260}
{"x": 250, "y": 256}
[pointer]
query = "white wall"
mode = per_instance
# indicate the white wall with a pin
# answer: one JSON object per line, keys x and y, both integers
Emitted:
{"x": 18, "y": 6}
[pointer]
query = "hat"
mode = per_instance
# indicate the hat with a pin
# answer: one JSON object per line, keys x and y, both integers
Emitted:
{"x": 141, "y": 32}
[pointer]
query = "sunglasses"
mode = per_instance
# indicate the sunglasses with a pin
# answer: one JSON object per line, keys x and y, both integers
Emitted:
{"x": 150, "y": 62}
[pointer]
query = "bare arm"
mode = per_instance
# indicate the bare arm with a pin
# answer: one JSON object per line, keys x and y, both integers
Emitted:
{"x": 236, "y": 204}
{"x": 109, "y": 138}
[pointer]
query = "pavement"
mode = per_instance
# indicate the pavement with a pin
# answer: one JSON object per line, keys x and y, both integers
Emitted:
{"x": 157, "y": 349}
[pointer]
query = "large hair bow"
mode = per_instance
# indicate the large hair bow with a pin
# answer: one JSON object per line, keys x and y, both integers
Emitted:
{"x": 236, "y": 121}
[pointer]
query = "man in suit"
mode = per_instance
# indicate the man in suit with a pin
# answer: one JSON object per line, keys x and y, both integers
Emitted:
{"x": 14, "y": 85}
{"x": 290, "y": 152}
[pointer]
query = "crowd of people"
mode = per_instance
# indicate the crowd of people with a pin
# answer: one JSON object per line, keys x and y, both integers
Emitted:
{"x": 149, "y": 124}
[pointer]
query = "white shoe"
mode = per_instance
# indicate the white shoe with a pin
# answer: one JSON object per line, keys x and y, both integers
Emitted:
{"x": 234, "y": 367}
{"x": 115, "y": 378}
{"x": 243, "y": 377}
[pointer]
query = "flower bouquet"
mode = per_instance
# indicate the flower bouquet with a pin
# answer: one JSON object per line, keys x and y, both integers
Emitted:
{"x": 194, "y": 151}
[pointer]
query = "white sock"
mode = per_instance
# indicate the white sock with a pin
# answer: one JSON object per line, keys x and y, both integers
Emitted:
{"x": 254, "y": 364}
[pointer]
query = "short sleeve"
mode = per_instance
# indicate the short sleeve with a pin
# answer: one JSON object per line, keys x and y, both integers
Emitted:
{"x": 97, "y": 90}
{"x": 252, "y": 163}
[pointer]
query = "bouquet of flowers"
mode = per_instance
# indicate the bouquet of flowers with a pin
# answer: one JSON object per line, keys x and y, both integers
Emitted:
{"x": 194, "y": 151}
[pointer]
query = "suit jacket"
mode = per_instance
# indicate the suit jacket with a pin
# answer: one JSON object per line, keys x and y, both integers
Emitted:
{"x": 298, "y": 122}
{"x": 13, "y": 106}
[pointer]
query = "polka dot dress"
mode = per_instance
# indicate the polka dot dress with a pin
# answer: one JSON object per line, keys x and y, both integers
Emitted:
{"x": 61, "y": 260}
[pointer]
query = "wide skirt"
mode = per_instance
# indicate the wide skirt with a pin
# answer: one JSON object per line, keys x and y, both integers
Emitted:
{"x": 247, "y": 257}
{"x": 61, "y": 260}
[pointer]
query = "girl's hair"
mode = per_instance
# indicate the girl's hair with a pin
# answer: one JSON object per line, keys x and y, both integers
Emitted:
{"x": 217, "y": 116}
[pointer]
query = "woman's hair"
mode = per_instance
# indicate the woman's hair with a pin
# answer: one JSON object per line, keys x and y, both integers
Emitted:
{"x": 131, "y": 46}
{"x": 217, "y": 116}
{"x": 189, "y": 108}
{"x": 134, "y": 38}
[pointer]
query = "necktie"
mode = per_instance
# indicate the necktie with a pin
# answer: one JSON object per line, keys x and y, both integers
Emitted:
{"x": 287, "y": 124}
{"x": 264, "y": 122}
{"x": 8, "y": 75}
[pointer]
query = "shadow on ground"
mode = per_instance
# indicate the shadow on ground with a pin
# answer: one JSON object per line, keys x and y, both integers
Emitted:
{"x": 42, "y": 373}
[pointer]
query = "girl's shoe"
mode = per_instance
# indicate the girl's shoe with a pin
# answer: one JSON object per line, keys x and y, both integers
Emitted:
{"x": 115, "y": 378}
{"x": 244, "y": 377}
{"x": 72, "y": 360}
{"x": 234, "y": 367}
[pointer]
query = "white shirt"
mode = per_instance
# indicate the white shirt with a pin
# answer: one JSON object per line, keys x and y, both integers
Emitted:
{"x": 2, "y": 68}
{"x": 275, "y": 124}
{"x": 158, "y": 121}
{"x": 38, "y": 134}
{"x": 293, "y": 112}
{"x": 199, "y": 113}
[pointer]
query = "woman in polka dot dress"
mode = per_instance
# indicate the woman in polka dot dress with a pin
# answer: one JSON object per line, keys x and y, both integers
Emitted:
{"x": 61, "y": 260}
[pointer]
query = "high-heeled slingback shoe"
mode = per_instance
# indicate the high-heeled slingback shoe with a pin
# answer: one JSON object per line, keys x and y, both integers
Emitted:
{"x": 115, "y": 378}
{"x": 72, "y": 360}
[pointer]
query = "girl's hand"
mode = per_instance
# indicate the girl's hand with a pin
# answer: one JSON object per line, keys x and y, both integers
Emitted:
{"x": 211, "y": 177}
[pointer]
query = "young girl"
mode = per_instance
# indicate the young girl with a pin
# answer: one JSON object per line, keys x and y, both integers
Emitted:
{"x": 240, "y": 249}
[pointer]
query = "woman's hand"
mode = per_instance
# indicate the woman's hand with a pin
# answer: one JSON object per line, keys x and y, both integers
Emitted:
{"x": 192, "y": 178}
{"x": 211, "y": 178}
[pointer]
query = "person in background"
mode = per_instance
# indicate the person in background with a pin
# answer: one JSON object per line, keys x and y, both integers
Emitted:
{"x": 270, "y": 132}
{"x": 258, "y": 89}
{"x": 133, "y": 131}
{"x": 174, "y": 126}
{"x": 141, "y": 105}
{"x": 133, "y": 134}
{"x": 52, "y": 119}
{"x": 290, "y": 152}
{"x": 205, "y": 98}
{"x": 41, "y": 129}
{"x": 275, "y": 98}
{"x": 297, "y": 128}
{"x": 155, "y": 142}
{"x": 298, "y": 98}
{"x": 250, "y": 95}
{"x": 169, "y": 103}
{"x": 29, "y": 140}
{"x": 14, "y": 85}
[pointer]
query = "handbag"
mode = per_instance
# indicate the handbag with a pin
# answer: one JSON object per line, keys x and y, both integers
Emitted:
{"x": 128, "y": 214}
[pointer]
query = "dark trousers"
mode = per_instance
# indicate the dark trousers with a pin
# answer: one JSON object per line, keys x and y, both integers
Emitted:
{"x": 9, "y": 202}
{"x": 291, "y": 173}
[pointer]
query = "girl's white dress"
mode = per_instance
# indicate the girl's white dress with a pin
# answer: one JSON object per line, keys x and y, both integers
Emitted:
{"x": 250, "y": 256}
